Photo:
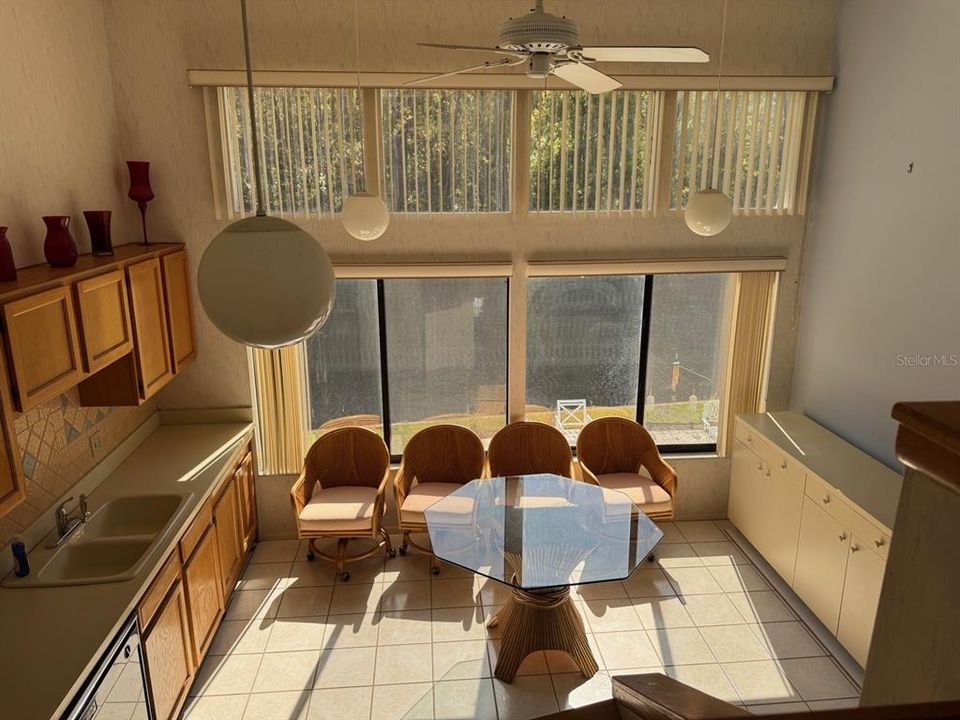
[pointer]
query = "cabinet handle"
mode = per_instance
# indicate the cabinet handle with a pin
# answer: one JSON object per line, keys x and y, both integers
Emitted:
{"x": 826, "y": 499}
{"x": 749, "y": 438}
{"x": 878, "y": 543}
{"x": 783, "y": 465}
{"x": 854, "y": 548}
{"x": 760, "y": 467}
{"x": 842, "y": 536}
{"x": 767, "y": 473}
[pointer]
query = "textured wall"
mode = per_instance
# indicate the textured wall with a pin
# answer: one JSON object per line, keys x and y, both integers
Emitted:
{"x": 880, "y": 292}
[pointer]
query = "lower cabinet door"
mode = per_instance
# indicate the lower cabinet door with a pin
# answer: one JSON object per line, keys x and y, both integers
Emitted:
{"x": 821, "y": 563}
{"x": 744, "y": 478}
{"x": 204, "y": 591}
{"x": 782, "y": 511}
{"x": 226, "y": 516}
{"x": 247, "y": 493}
{"x": 169, "y": 655}
{"x": 861, "y": 595}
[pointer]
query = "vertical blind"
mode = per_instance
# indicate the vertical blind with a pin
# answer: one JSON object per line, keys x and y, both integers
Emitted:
{"x": 752, "y": 154}
{"x": 592, "y": 152}
{"x": 279, "y": 384}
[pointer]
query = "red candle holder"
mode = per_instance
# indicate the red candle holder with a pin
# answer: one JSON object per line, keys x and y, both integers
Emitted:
{"x": 140, "y": 190}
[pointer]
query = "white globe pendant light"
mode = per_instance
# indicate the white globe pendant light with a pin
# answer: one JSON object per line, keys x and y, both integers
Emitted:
{"x": 709, "y": 210}
{"x": 364, "y": 214}
{"x": 264, "y": 281}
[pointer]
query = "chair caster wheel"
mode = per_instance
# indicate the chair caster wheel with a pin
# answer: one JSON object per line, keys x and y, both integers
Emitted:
{"x": 392, "y": 553}
{"x": 651, "y": 558}
{"x": 435, "y": 570}
{"x": 344, "y": 576}
{"x": 311, "y": 556}
{"x": 403, "y": 549}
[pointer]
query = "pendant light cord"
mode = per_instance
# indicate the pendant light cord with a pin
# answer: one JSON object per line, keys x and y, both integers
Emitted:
{"x": 723, "y": 40}
{"x": 253, "y": 114}
{"x": 356, "y": 41}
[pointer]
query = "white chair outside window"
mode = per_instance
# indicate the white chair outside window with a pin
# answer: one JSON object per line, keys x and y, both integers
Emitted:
{"x": 571, "y": 418}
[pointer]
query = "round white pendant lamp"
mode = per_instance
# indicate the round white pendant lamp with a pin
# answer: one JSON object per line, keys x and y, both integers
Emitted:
{"x": 364, "y": 214}
{"x": 709, "y": 210}
{"x": 264, "y": 281}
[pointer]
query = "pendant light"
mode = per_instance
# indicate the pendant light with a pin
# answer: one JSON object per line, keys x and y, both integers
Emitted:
{"x": 264, "y": 281}
{"x": 709, "y": 210}
{"x": 364, "y": 214}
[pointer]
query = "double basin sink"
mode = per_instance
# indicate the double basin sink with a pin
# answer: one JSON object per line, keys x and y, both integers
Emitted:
{"x": 111, "y": 546}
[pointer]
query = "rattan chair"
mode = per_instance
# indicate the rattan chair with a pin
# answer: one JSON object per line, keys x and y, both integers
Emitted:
{"x": 436, "y": 461}
{"x": 340, "y": 494}
{"x": 528, "y": 448}
{"x": 619, "y": 454}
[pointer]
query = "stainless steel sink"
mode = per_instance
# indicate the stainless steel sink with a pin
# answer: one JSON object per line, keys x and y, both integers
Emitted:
{"x": 136, "y": 515}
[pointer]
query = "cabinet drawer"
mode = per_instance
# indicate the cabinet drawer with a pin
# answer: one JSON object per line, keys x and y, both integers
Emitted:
{"x": 153, "y": 598}
{"x": 831, "y": 501}
{"x": 752, "y": 439}
{"x": 198, "y": 527}
{"x": 871, "y": 535}
{"x": 783, "y": 468}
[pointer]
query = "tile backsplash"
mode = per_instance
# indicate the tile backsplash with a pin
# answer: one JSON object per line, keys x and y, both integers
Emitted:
{"x": 56, "y": 450}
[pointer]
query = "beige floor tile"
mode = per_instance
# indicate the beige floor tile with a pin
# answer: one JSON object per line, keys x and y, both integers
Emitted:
{"x": 214, "y": 707}
{"x": 627, "y": 650}
{"x": 404, "y": 628}
{"x": 839, "y": 704}
{"x": 734, "y": 643}
{"x": 818, "y": 678}
{"x": 300, "y": 633}
{"x": 404, "y": 568}
{"x": 701, "y": 531}
{"x": 788, "y": 640}
{"x": 286, "y": 671}
{"x": 670, "y": 533}
{"x": 123, "y": 710}
{"x": 739, "y": 578}
{"x": 458, "y": 592}
{"x": 648, "y": 582}
{"x": 241, "y": 637}
{"x": 311, "y": 574}
{"x": 601, "y": 591}
{"x": 693, "y": 580}
{"x": 248, "y": 604}
{"x": 533, "y": 664}
{"x": 573, "y": 690}
{"x": 273, "y": 551}
{"x": 351, "y": 631}
{"x": 488, "y": 613}
{"x": 265, "y": 576}
{"x": 779, "y": 708}
{"x": 712, "y": 609}
{"x": 349, "y": 703}
{"x": 676, "y": 555}
{"x": 410, "y": 702}
{"x": 720, "y": 553}
{"x": 362, "y": 572}
{"x": 412, "y": 595}
{"x": 663, "y": 612}
{"x": 355, "y": 598}
{"x": 763, "y": 606}
{"x": 464, "y": 699}
{"x": 277, "y": 705}
{"x": 760, "y": 682}
{"x": 226, "y": 675}
{"x": 492, "y": 593}
{"x": 458, "y": 624}
{"x": 708, "y": 678}
{"x": 680, "y": 646}
{"x": 345, "y": 667}
{"x": 305, "y": 602}
{"x": 526, "y": 697}
{"x": 404, "y": 664}
{"x": 611, "y": 615}
{"x": 449, "y": 571}
{"x": 461, "y": 660}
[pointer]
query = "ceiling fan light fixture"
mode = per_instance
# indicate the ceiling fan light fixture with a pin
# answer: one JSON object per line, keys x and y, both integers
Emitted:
{"x": 365, "y": 216}
{"x": 708, "y": 212}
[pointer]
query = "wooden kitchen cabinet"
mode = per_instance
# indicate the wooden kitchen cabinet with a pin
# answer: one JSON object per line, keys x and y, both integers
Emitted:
{"x": 226, "y": 517}
{"x": 151, "y": 338}
{"x": 105, "y": 331}
{"x": 169, "y": 656}
{"x": 247, "y": 496}
{"x": 13, "y": 488}
{"x": 861, "y": 596}
{"x": 821, "y": 563}
{"x": 176, "y": 288}
{"x": 203, "y": 590}
{"x": 43, "y": 346}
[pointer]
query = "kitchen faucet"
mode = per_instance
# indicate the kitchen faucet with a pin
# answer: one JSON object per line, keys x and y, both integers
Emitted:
{"x": 66, "y": 525}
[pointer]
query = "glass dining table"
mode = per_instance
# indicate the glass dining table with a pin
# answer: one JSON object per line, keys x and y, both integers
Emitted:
{"x": 540, "y": 535}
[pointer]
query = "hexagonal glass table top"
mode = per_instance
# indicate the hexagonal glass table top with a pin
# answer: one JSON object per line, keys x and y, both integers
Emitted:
{"x": 541, "y": 531}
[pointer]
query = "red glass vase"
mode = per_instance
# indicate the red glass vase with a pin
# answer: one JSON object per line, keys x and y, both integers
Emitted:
{"x": 140, "y": 190}
{"x": 8, "y": 270}
{"x": 59, "y": 247}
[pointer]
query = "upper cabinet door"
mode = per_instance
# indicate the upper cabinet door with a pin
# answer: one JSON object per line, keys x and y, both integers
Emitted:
{"x": 149, "y": 326}
{"x": 104, "y": 319}
{"x": 44, "y": 346}
{"x": 176, "y": 284}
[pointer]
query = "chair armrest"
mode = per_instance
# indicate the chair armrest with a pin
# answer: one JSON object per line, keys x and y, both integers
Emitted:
{"x": 402, "y": 483}
{"x": 661, "y": 472}
{"x": 588, "y": 475}
{"x": 300, "y": 495}
{"x": 379, "y": 501}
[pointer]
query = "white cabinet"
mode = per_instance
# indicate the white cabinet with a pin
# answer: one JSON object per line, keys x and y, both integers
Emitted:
{"x": 745, "y": 475}
{"x": 781, "y": 499}
{"x": 861, "y": 595}
{"x": 821, "y": 563}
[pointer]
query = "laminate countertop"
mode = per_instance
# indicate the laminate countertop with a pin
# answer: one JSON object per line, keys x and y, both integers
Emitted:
{"x": 52, "y": 637}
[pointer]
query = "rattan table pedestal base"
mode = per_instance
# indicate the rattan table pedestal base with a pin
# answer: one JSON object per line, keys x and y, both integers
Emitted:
{"x": 535, "y": 620}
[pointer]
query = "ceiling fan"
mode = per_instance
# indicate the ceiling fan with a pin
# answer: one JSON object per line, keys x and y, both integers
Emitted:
{"x": 550, "y": 46}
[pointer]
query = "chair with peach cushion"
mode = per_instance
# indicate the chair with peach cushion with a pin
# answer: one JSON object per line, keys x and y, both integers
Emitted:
{"x": 619, "y": 454}
{"x": 340, "y": 494}
{"x": 529, "y": 448}
{"x": 436, "y": 461}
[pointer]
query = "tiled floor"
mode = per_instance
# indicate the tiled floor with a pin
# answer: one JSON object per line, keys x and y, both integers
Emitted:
{"x": 396, "y": 642}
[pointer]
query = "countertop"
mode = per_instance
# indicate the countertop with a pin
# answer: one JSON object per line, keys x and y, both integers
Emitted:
{"x": 53, "y": 636}
{"x": 864, "y": 481}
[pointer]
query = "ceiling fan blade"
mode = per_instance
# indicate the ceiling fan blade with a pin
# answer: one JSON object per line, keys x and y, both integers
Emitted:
{"x": 586, "y": 78}
{"x": 473, "y": 48}
{"x": 503, "y": 62}
{"x": 644, "y": 54}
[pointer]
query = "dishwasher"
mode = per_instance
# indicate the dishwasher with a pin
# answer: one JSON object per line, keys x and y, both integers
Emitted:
{"x": 117, "y": 686}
